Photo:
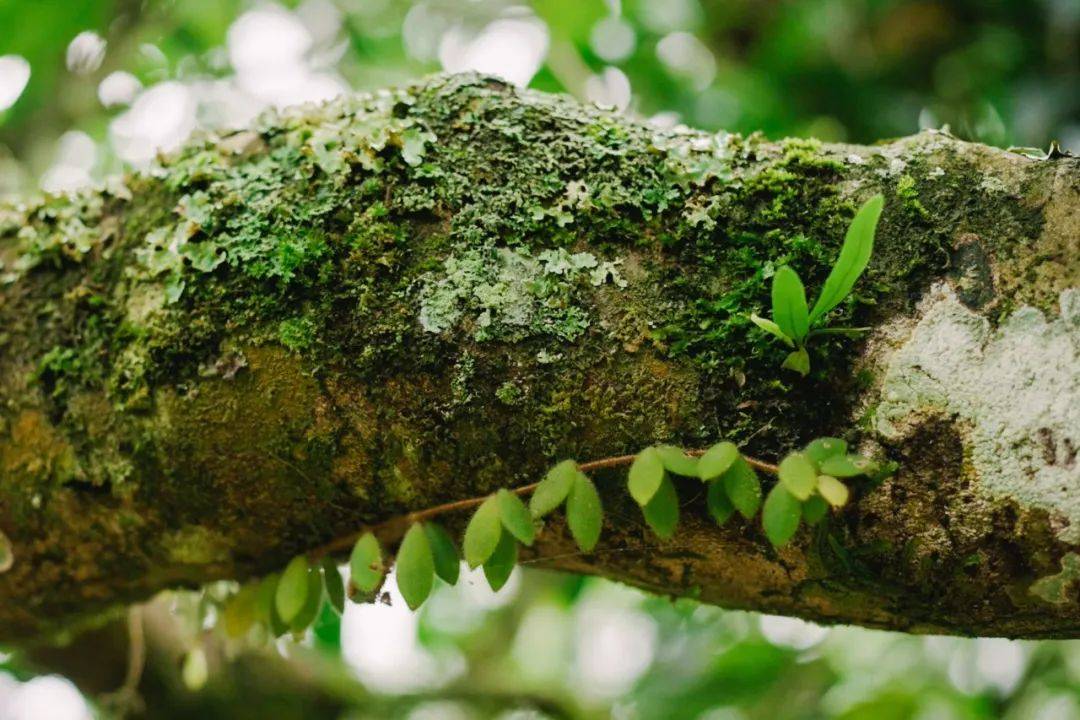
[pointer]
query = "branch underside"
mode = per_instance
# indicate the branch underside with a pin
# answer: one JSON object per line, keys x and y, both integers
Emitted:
{"x": 361, "y": 310}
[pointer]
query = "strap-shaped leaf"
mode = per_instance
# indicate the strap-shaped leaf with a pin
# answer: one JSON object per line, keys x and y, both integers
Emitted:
{"x": 500, "y": 565}
{"x": 743, "y": 488}
{"x": 662, "y": 512}
{"x": 854, "y": 256}
{"x": 584, "y": 514}
{"x": 789, "y": 304}
{"x": 482, "y": 533}
{"x": 772, "y": 328}
{"x": 798, "y": 475}
{"x": 553, "y": 489}
{"x": 366, "y": 564}
{"x": 335, "y": 588}
{"x": 677, "y": 461}
{"x": 823, "y": 447}
{"x": 415, "y": 567}
{"x": 516, "y": 518}
{"x": 444, "y": 552}
{"x": 646, "y": 475}
{"x": 292, "y": 589}
{"x": 835, "y": 492}
{"x": 716, "y": 460}
{"x": 716, "y": 499}
{"x": 780, "y": 515}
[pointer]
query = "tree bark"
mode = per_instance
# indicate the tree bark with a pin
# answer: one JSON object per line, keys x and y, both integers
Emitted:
{"x": 361, "y": 309}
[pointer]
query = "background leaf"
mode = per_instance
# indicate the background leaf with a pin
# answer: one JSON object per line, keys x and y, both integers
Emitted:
{"x": 444, "y": 553}
{"x": 516, "y": 518}
{"x": 553, "y": 489}
{"x": 854, "y": 256}
{"x": 781, "y": 515}
{"x": 312, "y": 602}
{"x": 798, "y": 475}
{"x": 823, "y": 447}
{"x": 844, "y": 466}
{"x": 646, "y": 475}
{"x": 482, "y": 533}
{"x": 501, "y": 563}
{"x": 584, "y": 514}
{"x": 719, "y": 504}
{"x": 814, "y": 509}
{"x": 662, "y": 512}
{"x": 292, "y": 588}
{"x": 415, "y": 567}
{"x": 743, "y": 488}
{"x": 366, "y": 564}
{"x": 335, "y": 588}
{"x": 789, "y": 304}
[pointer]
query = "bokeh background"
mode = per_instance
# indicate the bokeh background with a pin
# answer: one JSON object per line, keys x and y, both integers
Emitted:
{"x": 89, "y": 88}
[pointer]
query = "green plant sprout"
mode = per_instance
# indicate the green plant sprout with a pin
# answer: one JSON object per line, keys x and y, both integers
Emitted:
{"x": 792, "y": 322}
{"x": 809, "y": 482}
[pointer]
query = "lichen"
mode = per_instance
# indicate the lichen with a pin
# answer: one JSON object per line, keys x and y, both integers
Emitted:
{"x": 1055, "y": 588}
{"x": 1015, "y": 388}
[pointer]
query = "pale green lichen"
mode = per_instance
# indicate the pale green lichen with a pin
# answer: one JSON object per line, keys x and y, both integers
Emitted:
{"x": 1055, "y": 588}
{"x": 1015, "y": 387}
{"x": 507, "y": 294}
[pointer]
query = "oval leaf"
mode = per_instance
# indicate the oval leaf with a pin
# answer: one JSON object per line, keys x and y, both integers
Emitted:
{"x": 677, "y": 461}
{"x": 797, "y": 361}
{"x": 719, "y": 504}
{"x": 415, "y": 567}
{"x": 292, "y": 589}
{"x": 312, "y": 602}
{"x": 824, "y": 447}
{"x": 743, "y": 488}
{"x": 515, "y": 516}
{"x": 335, "y": 588}
{"x": 584, "y": 514}
{"x": 835, "y": 492}
{"x": 482, "y": 533}
{"x": 501, "y": 563}
{"x": 366, "y": 564}
{"x": 444, "y": 553}
{"x": 798, "y": 475}
{"x": 781, "y": 515}
{"x": 241, "y": 611}
{"x": 844, "y": 466}
{"x": 814, "y": 509}
{"x": 853, "y": 258}
{"x": 646, "y": 474}
{"x": 553, "y": 489}
{"x": 789, "y": 304}
{"x": 662, "y": 512}
{"x": 716, "y": 460}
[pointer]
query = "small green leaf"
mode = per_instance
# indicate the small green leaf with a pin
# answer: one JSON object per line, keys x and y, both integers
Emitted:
{"x": 415, "y": 567}
{"x": 501, "y": 563}
{"x": 292, "y": 589}
{"x": 584, "y": 514}
{"x": 312, "y": 602}
{"x": 335, "y": 588}
{"x": 845, "y": 466}
{"x": 366, "y": 564}
{"x": 853, "y": 258}
{"x": 743, "y": 488}
{"x": 798, "y": 361}
{"x": 719, "y": 505}
{"x": 444, "y": 553}
{"x": 662, "y": 512}
{"x": 824, "y": 447}
{"x": 798, "y": 475}
{"x": 515, "y": 516}
{"x": 772, "y": 328}
{"x": 482, "y": 533}
{"x": 646, "y": 475}
{"x": 789, "y": 304}
{"x": 267, "y": 605}
{"x": 553, "y": 489}
{"x": 835, "y": 492}
{"x": 781, "y": 515}
{"x": 677, "y": 461}
{"x": 241, "y": 611}
{"x": 716, "y": 460}
{"x": 814, "y": 509}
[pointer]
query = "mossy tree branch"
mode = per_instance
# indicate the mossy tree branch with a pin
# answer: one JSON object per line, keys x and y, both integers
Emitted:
{"x": 352, "y": 312}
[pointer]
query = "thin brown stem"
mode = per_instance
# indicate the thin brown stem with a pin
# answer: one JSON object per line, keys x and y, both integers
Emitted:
{"x": 392, "y": 529}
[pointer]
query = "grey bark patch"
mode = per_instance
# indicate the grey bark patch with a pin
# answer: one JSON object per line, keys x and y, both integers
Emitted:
{"x": 1016, "y": 389}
